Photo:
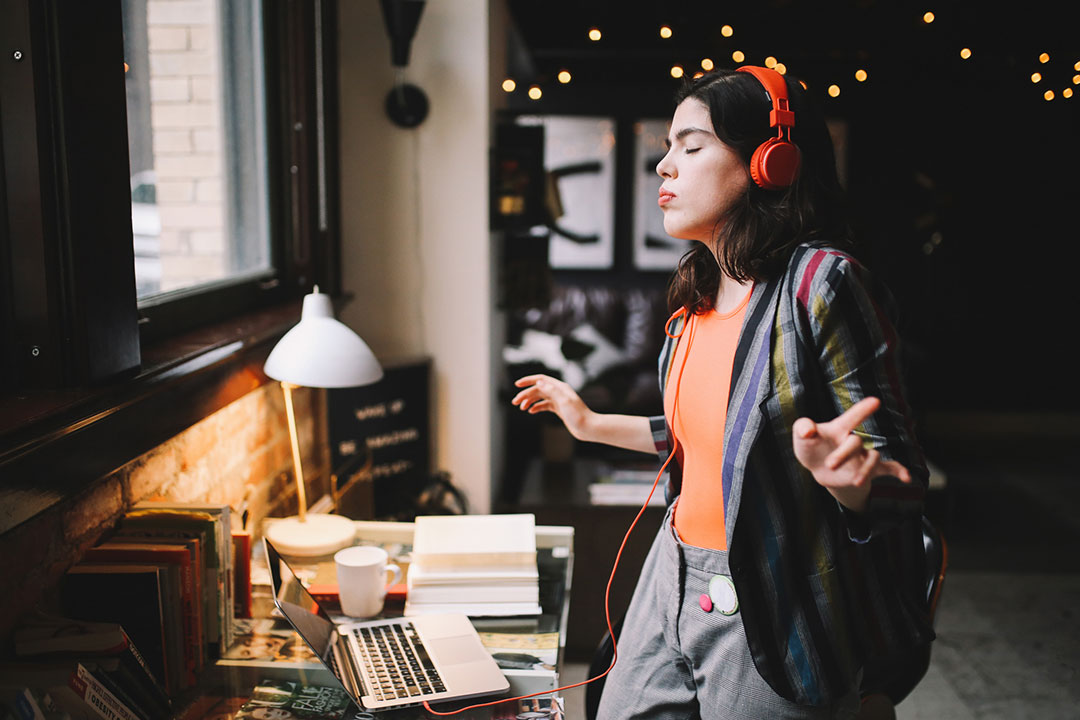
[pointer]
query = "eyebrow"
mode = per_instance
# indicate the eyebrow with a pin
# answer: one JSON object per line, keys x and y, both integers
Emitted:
{"x": 683, "y": 133}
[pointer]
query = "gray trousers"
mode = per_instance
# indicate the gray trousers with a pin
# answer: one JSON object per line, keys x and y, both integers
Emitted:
{"x": 676, "y": 661}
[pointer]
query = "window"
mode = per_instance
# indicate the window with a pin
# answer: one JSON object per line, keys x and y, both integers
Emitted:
{"x": 196, "y": 141}
{"x": 165, "y": 165}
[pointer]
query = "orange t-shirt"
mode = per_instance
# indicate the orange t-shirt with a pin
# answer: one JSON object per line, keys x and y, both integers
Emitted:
{"x": 701, "y": 375}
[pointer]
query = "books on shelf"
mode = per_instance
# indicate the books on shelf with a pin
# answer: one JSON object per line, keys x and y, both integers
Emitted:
{"x": 480, "y": 565}
{"x": 78, "y": 689}
{"x": 135, "y": 552}
{"x": 165, "y": 580}
{"x": 212, "y": 523}
{"x": 628, "y": 486}
{"x": 45, "y": 638}
{"x": 132, "y": 596}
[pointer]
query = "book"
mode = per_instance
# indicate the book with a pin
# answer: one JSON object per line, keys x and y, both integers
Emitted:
{"x": 73, "y": 687}
{"x": 98, "y": 696}
{"x": 468, "y": 592}
{"x": 224, "y": 527}
{"x": 473, "y": 609}
{"x": 241, "y": 546}
{"x": 26, "y": 704}
{"x": 480, "y": 565}
{"x": 129, "y": 595}
{"x": 171, "y": 613}
{"x": 528, "y": 660}
{"x": 191, "y": 606}
{"x": 289, "y": 699}
{"x": 629, "y": 485}
{"x": 539, "y": 708}
{"x": 44, "y": 633}
{"x": 198, "y": 571}
{"x": 492, "y": 542}
{"x": 44, "y": 636}
{"x": 158, "y": 521}
{"x": 265, "y": 642}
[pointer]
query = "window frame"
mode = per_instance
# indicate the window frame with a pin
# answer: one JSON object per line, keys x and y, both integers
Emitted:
{"x": 67, "y": 282}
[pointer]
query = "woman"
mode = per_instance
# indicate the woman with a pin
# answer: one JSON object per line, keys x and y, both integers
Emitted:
{"x": 791, "y": 550}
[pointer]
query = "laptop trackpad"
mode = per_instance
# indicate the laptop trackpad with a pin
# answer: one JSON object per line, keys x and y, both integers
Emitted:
{"x": 455, "y": 650}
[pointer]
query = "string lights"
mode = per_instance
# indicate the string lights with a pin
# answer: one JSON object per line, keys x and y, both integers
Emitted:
{"x": 861, "y": 74}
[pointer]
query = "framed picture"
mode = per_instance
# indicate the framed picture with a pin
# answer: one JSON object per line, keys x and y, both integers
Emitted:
{"x": 579, "y": 160}
{"x": 653, "y": 248}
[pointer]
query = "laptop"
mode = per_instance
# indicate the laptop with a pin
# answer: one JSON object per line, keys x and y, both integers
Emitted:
{"x": 393, "y": 662}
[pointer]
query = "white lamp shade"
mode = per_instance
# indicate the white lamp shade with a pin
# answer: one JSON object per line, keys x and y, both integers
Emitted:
{"x": 322, "y": 352}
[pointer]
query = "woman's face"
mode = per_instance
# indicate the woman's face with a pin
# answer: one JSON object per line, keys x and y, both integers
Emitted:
{"x": 703, "y": 177}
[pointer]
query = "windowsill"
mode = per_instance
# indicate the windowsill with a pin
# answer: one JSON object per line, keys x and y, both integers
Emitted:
{"x": 54, "y": 444}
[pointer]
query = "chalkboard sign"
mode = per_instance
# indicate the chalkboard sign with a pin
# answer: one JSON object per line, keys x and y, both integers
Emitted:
{"x": 391, "y": 419}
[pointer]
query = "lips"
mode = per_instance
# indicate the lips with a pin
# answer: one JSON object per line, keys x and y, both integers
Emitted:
{"x": 666, "y": 196}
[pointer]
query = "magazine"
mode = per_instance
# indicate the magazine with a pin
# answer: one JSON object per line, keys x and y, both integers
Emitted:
{"x": 523, "y": 651}
{"x": 264, "y": 639}
{"x": 285, "y": 700}
{"x": 542, "y": 708}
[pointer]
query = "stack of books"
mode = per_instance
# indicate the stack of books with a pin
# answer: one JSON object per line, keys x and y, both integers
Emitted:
{"x": 627, "y": 486}
{"x": 479, "y": 565}
{"x": 142, "y": 614}
{"x": 71, "y": 668}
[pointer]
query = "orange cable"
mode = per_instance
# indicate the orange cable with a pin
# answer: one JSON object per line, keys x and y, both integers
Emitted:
{"x": 618, "y": 556}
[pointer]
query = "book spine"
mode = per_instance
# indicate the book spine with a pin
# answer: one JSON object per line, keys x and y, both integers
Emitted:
{"x": 468, "y": 594}
{"x": 225, "y": 543}
{"x": 144, "y": 667}
{"x": 242, "y": 574}
{"x": 122, "y": 689}
{"x": 101, "y": 700}
{"x": 26, "y": 707}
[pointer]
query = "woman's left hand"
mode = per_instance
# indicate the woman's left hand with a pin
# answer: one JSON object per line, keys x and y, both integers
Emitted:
{"x": 836, "y": 456}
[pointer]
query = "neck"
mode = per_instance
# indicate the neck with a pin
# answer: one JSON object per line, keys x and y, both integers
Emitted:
{"x": 731, "y": 293}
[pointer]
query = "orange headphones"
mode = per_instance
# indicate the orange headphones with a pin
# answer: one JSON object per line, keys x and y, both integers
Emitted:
{"x": 775, "y": 163}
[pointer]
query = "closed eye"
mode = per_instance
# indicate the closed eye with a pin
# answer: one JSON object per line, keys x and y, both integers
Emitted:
{"x": 690, "y": 151}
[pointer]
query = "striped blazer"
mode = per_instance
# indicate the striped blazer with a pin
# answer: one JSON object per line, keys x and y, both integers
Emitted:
{"x": 820, "y": 588}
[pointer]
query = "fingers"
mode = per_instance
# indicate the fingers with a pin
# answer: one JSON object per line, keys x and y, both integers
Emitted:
{"x": 531, "y": 379}
{"x": 849, "y": 446}
{"x": 538, "y": 388}
{"x": 804, "y": 428}
{"x": 857, "y": 414}
{"x": 868, "y": 463}
{"x": 543, "y": 405}
{"x": 898, "y": 471}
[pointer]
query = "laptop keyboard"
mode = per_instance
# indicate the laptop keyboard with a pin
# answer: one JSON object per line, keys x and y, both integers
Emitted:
{"x": 399, "y": 664}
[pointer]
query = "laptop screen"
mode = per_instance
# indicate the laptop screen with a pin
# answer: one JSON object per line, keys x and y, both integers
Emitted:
{"x": 298, "y": 606}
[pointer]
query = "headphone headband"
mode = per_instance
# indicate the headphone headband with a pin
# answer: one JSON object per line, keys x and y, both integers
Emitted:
{"x": 780, "y": 116}
{"x": 775, "y": 163}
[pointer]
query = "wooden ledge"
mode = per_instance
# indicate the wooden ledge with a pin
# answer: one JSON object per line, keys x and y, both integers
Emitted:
{"x": 54, "y": 444}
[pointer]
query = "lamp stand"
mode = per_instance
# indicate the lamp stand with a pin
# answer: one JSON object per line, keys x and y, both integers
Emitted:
{"x": 307, "y": 534}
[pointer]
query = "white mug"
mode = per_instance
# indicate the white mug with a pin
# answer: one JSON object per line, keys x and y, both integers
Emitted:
{"x": 361, "y": 575}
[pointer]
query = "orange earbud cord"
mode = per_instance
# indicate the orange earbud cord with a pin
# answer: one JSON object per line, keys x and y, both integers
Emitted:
{"x": 618, "y": 555}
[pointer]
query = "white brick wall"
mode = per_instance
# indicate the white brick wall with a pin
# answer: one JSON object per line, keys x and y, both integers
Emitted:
{"x": 186, "y": 115}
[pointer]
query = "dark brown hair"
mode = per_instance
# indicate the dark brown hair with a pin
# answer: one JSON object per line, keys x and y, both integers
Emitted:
{"x": 760, "y": 232}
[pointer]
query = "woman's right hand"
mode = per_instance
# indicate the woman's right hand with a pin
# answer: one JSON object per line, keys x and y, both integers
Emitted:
{"x": 543, "y": 393}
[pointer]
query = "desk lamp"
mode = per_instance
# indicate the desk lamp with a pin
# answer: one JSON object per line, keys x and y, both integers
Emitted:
{"x": 318, "y": 352}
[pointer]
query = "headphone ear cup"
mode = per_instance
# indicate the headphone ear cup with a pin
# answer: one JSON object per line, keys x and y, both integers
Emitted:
{"x": 775, "y": 164}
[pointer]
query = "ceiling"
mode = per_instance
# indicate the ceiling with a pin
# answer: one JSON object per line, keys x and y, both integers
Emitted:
{"x": 822, "y": 43}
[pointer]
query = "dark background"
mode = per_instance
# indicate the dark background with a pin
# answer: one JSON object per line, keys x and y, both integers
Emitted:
{"x": 964, "y": 151}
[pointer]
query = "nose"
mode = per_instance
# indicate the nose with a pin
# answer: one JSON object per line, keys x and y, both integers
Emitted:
{"x": 665, "y": 168}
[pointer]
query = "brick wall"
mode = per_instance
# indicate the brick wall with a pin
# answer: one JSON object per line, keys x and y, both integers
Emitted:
{"x": 187, "y": 116}
{"x": 240, "y": 455}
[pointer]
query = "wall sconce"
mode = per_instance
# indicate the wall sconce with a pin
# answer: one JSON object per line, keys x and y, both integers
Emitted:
{"x": 407, "y": 105}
